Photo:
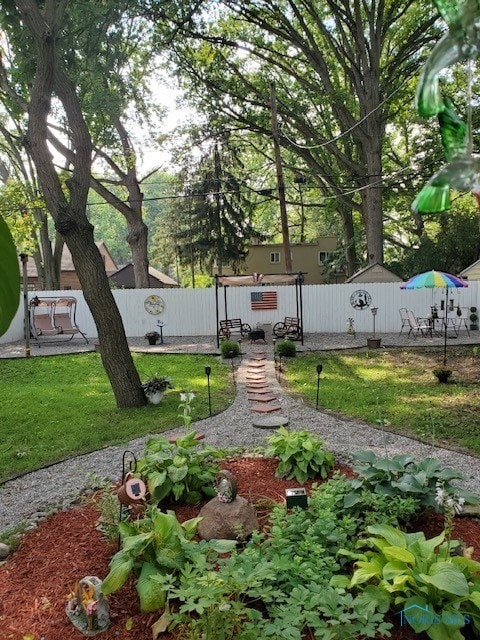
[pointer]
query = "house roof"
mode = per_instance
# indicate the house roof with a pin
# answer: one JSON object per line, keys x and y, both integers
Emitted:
{"x": 257, "y": 279}
{"x": 126, "y": 272}
{"x": 373, "y": 270}
{"x": 67, "y": 260}
{"x": 470, "y": 267}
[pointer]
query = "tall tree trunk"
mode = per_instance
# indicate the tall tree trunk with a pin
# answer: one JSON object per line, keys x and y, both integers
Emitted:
{"x": 371, "y": 153}
{"x": 70, "y": 214}
{"x": 348, "y": 237}
{"x": 137, "y": 236}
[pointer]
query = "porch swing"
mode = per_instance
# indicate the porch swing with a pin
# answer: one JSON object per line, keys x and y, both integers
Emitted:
{"x": 51, "y": 317}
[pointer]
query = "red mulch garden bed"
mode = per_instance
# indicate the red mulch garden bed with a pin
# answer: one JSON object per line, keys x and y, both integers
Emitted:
{"x": 36, "y": 579}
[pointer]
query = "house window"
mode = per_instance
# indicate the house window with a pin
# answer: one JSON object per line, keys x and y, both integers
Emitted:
{"x": 275, "y": 257}
{"x": 323, "y": 256}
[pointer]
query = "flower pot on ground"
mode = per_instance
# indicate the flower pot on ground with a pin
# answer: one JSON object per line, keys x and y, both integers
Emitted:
{"x": 442, "y": 374}
{"x": 152, "y": 337}
{"x": 374, "y": 343}
{"x": 473, "y": 319}
{"x": 155, "y": 387}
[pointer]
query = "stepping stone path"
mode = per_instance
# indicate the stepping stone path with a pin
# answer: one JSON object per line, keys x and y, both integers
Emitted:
{"x": 259, "y": 393}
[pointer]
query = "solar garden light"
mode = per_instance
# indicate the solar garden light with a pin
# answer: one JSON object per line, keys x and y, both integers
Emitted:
{"x": 319, "y": 371}
{"x": 160, "y": 325}
{"x": 208, "y": 371}
{"x": 296, "y": 498}
{"x": 274, "y": 341}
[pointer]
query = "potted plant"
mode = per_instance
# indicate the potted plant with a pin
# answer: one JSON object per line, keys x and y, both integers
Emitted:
{"x": 152, "y": 337}
{"x": 155, "y": 387}
{"x": 473, "y": 319}
{"x": 442, "y": 374}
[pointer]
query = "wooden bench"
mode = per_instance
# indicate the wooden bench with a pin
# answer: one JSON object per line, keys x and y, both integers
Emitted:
{"x": 235, "y": 325}
{"x": 289, "y": 328}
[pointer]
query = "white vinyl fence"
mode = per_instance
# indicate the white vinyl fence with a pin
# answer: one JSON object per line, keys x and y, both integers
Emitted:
{"x": 326, "y": 308}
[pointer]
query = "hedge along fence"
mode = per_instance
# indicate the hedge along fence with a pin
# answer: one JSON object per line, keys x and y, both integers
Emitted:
{"x": 326, "y": 308}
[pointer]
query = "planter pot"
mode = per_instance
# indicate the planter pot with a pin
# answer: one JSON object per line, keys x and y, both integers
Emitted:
{"x": 374, "y": 343}
{"x": 152, "y": 340}
{"x": 155, "y": 398}
{"x": 474, "y": 327}
{"x": 443, "y": 379}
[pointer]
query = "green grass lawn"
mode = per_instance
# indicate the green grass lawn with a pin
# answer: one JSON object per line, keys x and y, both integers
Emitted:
{"x": 58, "y": 406}
{"x": 396, "y": 388}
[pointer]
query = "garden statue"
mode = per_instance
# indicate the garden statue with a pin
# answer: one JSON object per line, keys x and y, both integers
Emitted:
{"x": 461, "y": 42}
{"x": 350, "y": 327}
{"x": 228, "y": 516}
{"x": 87, "y": 607}
{"x": 225, "y": 486}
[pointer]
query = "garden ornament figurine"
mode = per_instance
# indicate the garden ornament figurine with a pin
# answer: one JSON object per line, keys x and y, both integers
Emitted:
{"x": 225, "y": 486}
{"x": 87, "y": 607}
{"x": 461, "y": 42}
{"x": 350, "y": 327}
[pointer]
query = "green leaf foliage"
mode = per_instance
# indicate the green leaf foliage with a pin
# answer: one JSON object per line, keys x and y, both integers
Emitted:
{"x": 401, "y": 475}
{"x": 301, "y": 455}
{"x": 9, "y": 278}
{"x": 157, "y": 547}
{"x": 183, "y": 471}
{"x": 152, "y": 594}
{"x": 421, "y": 573}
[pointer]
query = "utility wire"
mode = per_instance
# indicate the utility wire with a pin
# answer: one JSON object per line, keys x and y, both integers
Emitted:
{"x": 344, "y": 133}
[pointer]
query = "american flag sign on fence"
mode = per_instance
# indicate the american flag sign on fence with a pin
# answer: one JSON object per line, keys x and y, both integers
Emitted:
{"x": 263, "y": 300}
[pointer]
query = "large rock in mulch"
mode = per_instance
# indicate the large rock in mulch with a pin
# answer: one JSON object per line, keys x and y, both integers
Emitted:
{"x": 234, "y": 520}
{"x": 4, "y": 551}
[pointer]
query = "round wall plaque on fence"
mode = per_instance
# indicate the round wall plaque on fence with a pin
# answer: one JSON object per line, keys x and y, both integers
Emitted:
{"x": 360, "y": 299}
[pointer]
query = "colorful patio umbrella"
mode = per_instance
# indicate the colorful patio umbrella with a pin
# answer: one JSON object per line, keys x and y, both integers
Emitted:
{"x": 434, "y": 279}
{"x": 437, "y": 280}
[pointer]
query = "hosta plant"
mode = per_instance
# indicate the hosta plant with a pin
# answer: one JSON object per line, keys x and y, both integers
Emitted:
{"x": 422, "y": 576}
{"x": 402, "y": 475}
{"x": 155, "y": 546}
{"x": 182, "y": 471}
{"x": 301, "y": 455}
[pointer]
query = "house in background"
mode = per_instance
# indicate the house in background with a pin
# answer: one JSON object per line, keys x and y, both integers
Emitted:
{"x": 68, "y": 276}
{"x": 374, "y": 273}
{"x": 471, "y": 272}
{"x": 309, "y": 258}
{"x": 124, "y": 278}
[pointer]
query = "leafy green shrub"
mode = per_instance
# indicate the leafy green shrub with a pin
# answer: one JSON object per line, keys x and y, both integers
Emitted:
{"x": 155, "y": 546}
{"x": 183, "y": 471}
{"x": 423, "y": 575}
{"x": 365, "y": 506}
{"x": 107, "y": 503}
{"x": 229, "y": 349}
{"x": 286, "y": 349}
{"x": 401, "y": 475}
{"x": 301, "y": 455}
{"x": 284, "y": 585}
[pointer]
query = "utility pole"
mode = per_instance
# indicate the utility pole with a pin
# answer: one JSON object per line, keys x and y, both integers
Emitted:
{"x": 218, "y": 208}
{"x": 280, "y": 181}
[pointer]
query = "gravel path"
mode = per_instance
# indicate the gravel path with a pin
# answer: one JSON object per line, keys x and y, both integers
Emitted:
{"x": 28, "y": 498}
